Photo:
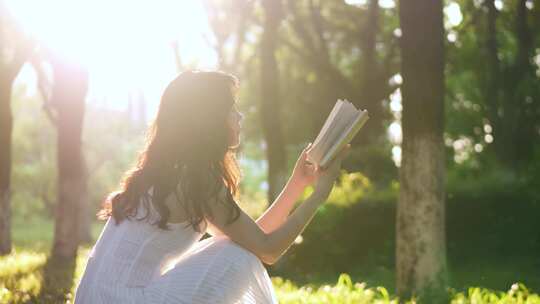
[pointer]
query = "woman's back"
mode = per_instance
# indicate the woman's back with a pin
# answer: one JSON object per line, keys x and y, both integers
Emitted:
{"x": 136, "y": 262}
{"x": 131, "y": 255}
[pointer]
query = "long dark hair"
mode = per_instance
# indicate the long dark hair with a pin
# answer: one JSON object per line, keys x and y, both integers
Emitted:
{"x": 187, "y": 147}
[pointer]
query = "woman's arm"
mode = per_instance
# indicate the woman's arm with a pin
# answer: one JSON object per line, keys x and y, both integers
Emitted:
{"x": 276, "y": 214}
{"x": 269, "y": 246}
{"x": 303, "y": 175}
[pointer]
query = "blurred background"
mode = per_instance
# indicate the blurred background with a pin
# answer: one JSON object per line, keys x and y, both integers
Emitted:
{"x": 81, "y": 80}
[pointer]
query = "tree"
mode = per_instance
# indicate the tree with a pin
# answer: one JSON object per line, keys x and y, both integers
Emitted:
{"x": 229, "y": 21}
{"x": 492, "y": 84}
{"x": 345, "y": 51}
{"x": 10, "y": 65}
{"x": 512, "y": 111}
{"x": 420, "y": 244}
{"x": 270, "y": 99}
{"x": 65, "y": 106}
{"x": 330, "y": 33}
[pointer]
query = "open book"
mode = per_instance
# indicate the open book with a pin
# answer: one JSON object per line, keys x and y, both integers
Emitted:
{"x": 339, "y": 129}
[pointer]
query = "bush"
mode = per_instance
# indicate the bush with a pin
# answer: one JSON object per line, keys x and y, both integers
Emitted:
{"x": 493, "y": 224}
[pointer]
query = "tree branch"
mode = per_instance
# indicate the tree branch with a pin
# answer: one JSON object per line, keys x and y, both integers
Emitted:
{"x": 44, "y": 86}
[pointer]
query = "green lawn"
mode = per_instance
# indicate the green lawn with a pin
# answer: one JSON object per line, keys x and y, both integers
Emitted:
{"x": 28, "y": 276}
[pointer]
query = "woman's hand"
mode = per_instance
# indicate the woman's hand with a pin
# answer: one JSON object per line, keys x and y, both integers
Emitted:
{"x": 304, "y": 173}
{"x": 328, "y": 176}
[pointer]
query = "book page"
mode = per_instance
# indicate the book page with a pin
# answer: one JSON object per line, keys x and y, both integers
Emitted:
{"x": 329, "y": 119}
{"x": 315, "y": 152}
{"x": 345, "y": 137}
{"x": 343, "y": 121}
{"x": 327, "y": 138}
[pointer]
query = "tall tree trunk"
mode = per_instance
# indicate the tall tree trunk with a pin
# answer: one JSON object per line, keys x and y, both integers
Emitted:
{"x": 6, "y": 126}
{"x": 9, "y": 69}
{"x": 420, "y": 248}
{"x": 523, "y": 74}
{"x": 270, "y": 99}
{"x": 493, "y": 76}
{"x": 68, "y": 98}
{"x": 505, "y": 93}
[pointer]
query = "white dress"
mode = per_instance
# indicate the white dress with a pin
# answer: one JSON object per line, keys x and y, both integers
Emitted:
{"x": 136, "y": 262}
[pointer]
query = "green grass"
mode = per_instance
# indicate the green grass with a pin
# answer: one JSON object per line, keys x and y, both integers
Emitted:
{"x": 28, "y": 275}
{"x": 32, "y": 277}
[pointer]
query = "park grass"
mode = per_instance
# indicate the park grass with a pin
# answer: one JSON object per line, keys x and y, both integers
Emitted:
{"x": 29, "y": 275}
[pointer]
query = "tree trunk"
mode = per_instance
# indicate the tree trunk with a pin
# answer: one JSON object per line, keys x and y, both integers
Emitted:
{"x": 270, "y": 99}
{"x": 420, "y": 245}
{"x": 508, "y": 111}
{"x": 493, "y": 77}
{"x": 68, "y": 98}
{"x": 522, "y": 119}
{"x": 6, "y": 126}
{"x": 8, "y": 72}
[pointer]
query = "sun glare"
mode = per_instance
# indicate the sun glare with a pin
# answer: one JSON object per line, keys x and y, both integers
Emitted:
{"x": 126, "y": 45}
{"x": 453, "y": 14}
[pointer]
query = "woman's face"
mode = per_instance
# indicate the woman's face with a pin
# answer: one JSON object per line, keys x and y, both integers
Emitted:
{"x": 234, "y": 121}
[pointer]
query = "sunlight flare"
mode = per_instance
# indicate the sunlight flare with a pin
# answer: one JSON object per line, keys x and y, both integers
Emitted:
{"x": 126, "y": 45}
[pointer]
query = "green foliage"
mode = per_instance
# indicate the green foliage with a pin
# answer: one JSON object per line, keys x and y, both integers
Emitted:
{"x": 110, "y": 143}
{"x": 490, "y": 218}
{"x": 503, "y": 95}
{"x": 29, "y": 277}
{"x": 517, "y": 294}
{"x": 492, "y": 227}
{"x": 18, "y": 276}
{"x": 350, "y": 189}
{"x": 355, "y": 224}
{"x": 33, "y": 161}
{"x": 345, "y": 291}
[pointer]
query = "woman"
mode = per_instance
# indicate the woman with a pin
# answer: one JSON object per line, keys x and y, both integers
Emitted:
{"x": 185, "y": 184}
